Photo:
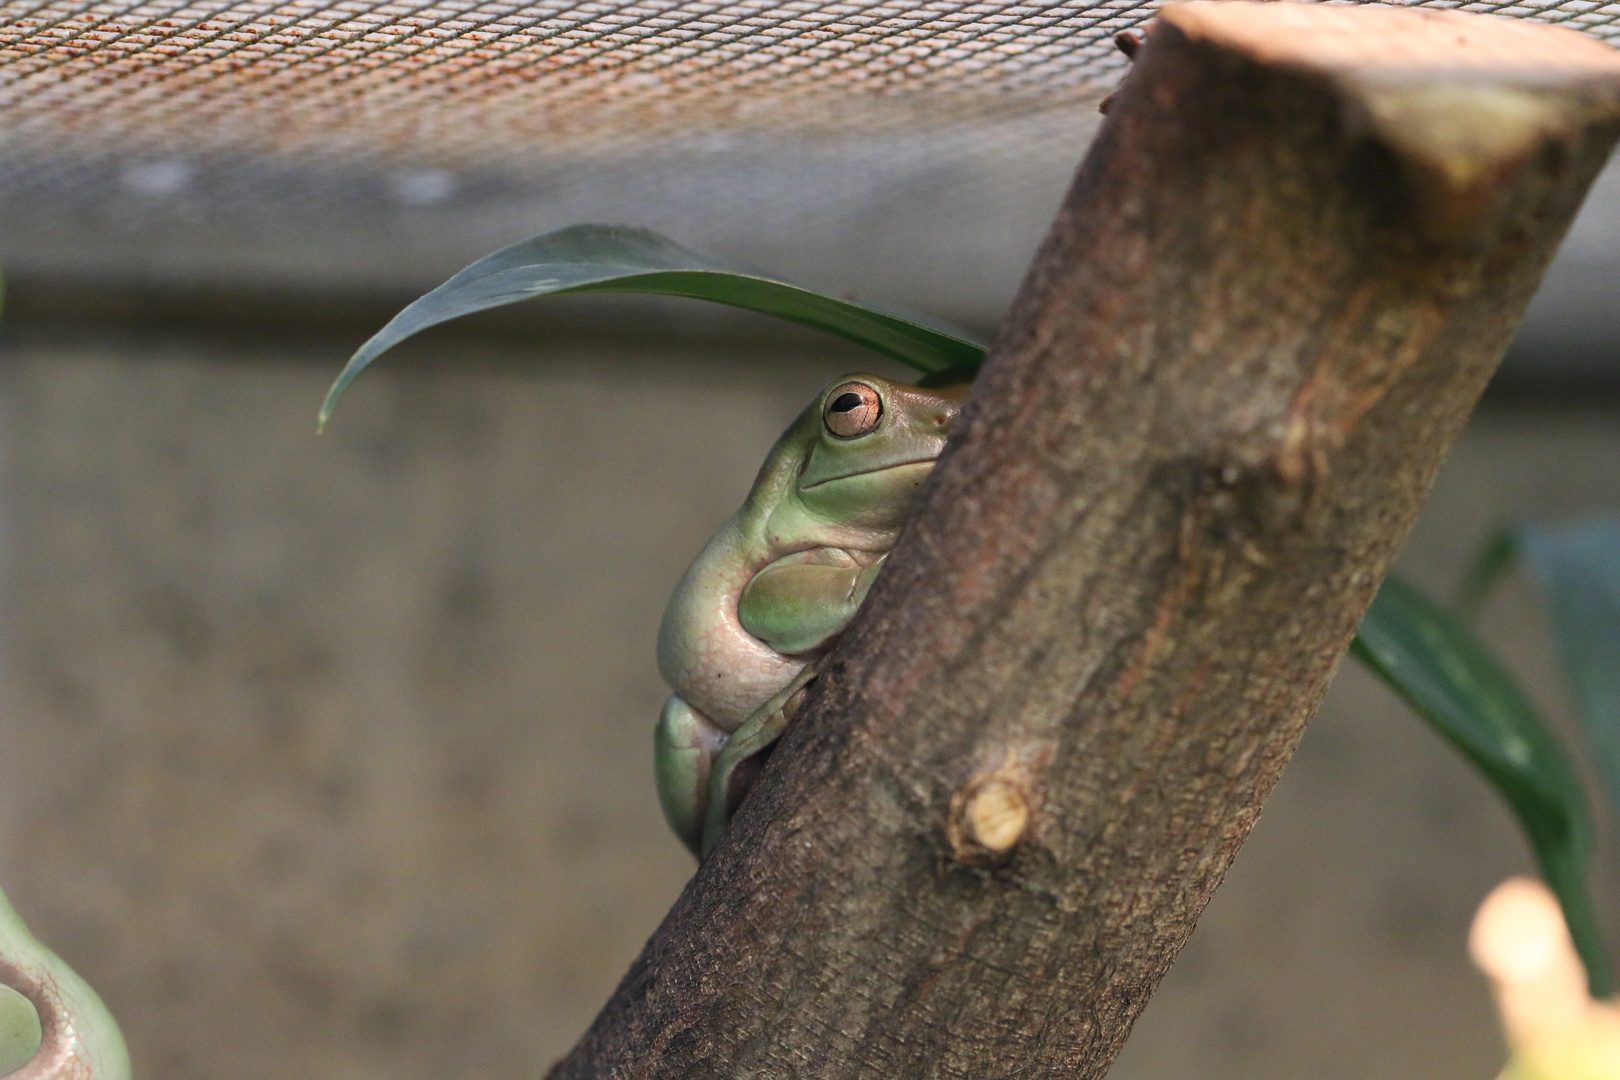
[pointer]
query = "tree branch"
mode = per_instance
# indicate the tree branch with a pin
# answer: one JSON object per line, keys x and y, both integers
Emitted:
{"x": 1279, "y": 283}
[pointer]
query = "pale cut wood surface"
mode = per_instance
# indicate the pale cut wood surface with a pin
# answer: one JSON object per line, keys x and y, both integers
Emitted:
{"x": 1370, "y": 38}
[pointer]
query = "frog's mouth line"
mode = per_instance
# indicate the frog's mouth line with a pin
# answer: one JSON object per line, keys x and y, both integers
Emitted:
{"x": 869, "y": 472}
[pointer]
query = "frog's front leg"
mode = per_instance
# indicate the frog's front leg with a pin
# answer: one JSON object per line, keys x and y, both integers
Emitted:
{"x": 801, "y": 602}
{"x": 685, "y": 745}
{"x": 743, "y": 755}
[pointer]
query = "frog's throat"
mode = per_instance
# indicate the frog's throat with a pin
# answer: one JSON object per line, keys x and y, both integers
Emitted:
{"x": 869, "y": 472}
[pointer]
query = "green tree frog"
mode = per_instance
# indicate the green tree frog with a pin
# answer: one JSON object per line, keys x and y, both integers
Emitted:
{"x": 769, "y": 595}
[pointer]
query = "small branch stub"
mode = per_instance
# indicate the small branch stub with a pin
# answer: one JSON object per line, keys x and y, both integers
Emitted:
{"x": 989, "y": 817}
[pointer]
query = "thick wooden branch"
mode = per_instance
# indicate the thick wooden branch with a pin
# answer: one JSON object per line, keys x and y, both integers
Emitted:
{"x": 1284, "y": 274}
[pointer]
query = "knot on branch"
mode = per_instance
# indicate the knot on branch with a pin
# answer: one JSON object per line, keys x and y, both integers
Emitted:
{"x": 1253, "y": 487}
{"x": 1245, "y": 496}
{"x": 1248, "y": 492}
{"x": 992, "y": 813}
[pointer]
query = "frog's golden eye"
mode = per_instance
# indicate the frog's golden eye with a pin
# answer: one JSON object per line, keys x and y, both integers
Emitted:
{"x": 853, "y": 410}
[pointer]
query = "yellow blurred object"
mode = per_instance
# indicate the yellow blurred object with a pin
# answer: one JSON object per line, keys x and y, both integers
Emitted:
{"x": 1554, "y": 1027}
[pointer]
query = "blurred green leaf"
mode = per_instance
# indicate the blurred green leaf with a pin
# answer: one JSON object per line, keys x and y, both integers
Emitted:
{"x": 616, "y": 258}
{"x": 1490, "y": 565}
{"x": 75, "y": 1019}
{"x": 20, "y": 1031}
{"x": 1578, "y": 569}
{"x": 1433, "y": 659}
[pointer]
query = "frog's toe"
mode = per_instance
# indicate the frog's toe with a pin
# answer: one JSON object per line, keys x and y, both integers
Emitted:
{"x": 745, "y": 752}
{"x": 732, "y": 778}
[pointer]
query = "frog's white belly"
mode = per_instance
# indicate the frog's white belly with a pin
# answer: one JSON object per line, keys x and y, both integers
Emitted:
{"x": 727, "y": 683}
{"x": 705, "y": 655}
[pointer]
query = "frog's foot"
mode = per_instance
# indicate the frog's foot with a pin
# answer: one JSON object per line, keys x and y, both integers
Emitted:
{"x": 744, "y": 755}
{"x": 686, "y": 743}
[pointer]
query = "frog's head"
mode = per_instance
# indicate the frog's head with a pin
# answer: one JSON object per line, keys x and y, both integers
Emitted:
{"x": 876, "y": 442}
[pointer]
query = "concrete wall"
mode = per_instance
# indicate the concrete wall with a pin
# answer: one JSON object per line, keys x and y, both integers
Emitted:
{"x": 329, "y": 757}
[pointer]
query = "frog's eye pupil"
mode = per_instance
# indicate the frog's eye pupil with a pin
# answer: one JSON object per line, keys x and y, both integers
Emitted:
{"x": 853, "y": 409}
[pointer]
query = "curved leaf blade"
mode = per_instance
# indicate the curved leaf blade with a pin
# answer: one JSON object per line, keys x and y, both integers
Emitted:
{"x": 1491, "y": 563}
{"x": 77, "y": 1035}
{"x": 1433, "y": 660}
{"x": 617, "y": 258}
{"x": 1578, "y": 569}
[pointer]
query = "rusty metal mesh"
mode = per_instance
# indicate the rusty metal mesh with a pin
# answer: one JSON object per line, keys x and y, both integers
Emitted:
{"x": 488, "y": 80}
{"x": 907, "y": 149}
{"x": 492, "y": 80}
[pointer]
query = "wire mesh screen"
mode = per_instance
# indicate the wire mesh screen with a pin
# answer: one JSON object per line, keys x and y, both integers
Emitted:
{"x": 488, "y": 83}
{"x": 483, "y": 82}
{"x": 909, "y": 149}
{"x": 480, "y": 81}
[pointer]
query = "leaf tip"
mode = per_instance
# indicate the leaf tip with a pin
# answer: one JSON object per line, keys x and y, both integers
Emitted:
{"x": 324, "y": 417}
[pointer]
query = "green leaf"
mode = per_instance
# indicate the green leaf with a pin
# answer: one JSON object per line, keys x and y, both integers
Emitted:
{"x": 20, "y": 1030}
{"x": 1578, "y": 569}
{"x": 617, "y": 258}
{"x": 1491, "y": 564}
{"x": 76, "y": 1020}
{"x": 1433, "y": 659}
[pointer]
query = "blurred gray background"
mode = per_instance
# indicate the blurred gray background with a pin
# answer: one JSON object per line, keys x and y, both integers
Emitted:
{"x": 330, "y": 757}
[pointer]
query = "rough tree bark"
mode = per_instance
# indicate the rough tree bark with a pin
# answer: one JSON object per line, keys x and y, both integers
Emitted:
{"x": 1280, "y": 281}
